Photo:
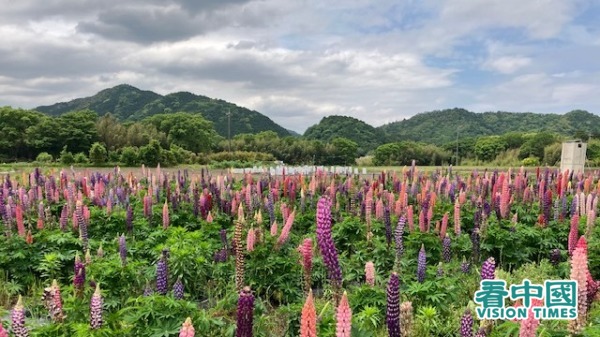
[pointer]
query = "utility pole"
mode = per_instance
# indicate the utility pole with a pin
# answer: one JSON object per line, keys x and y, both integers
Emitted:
{"x": 229, "y": 128}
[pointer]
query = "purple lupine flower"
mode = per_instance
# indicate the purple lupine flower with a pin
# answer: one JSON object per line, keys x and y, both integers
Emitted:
{"x": 326, "y": 244}
{"x": 129, "y": 219}
{"x": 466, "y": 324}
{"x": 399, "y": 233}
{"x": 388, "y": 225}
{"x": 465, "y": 266}
{"x": 488, "y": 269}
{"x": 162, "y": 274}
{"x": 421, "y": 264}
{"x": 81, "y": 223}
{"x": 64, "y": 218}
{"x": 148, "y": 290}
{"x": 123, "y": 249}
{"x": 245, "y": 313}
{"x": 481, "y": 333}
{"x": 96, "y": 309}
{"x": 555, "y": 256}
{"x": 392, "y": 317}
{"x": 18, "y": 320}
{"x": 178, "y": 289}
{"x": 440, "y": 270}
{"x": 476, "y": 241}
{"x": 447, "y": 248}
{"x": 79, "y": 278}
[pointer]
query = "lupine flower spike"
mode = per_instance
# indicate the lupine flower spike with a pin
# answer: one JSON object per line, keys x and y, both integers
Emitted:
{"x": 308, "y": 320}
{"x": 466, "y": 324}
{"x": 393, "y": 306}
{"x": 370, "y": 273}
{"x": 96, "y": 309}
{"x": 343, "y": 318}
{"x": 187, "y": 329}
{"x": 18, "y": 320}
{"x": 245, "y": 313}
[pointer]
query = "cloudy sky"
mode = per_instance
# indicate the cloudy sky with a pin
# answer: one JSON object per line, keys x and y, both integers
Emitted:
{"x": 297, "y": 61}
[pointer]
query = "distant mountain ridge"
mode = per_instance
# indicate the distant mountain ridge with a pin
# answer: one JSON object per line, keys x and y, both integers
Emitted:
{"x": 443, "y": 126}
{"x": 129, "y": 103}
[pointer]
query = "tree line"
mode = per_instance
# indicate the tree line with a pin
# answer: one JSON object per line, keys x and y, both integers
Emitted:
{"x": 169, "y": 139}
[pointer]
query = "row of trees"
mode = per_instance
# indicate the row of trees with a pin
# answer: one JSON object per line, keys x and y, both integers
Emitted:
{"x": 174, "y": 138}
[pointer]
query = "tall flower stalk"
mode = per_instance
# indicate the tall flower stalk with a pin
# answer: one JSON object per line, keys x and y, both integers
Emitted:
{"x": 245, "y": 313}
{"x": 96, "y": 309}
{"x": 308, "y": 319}
{"x": 392, "y": 317}
{"x": 343, "y": 318}
{"x": 326, "y": 244}
{"x": 18, "y": 320}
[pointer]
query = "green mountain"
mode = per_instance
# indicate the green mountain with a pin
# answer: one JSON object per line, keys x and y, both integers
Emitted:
{"x": 128, "y": 103}
{"x": 442, "y": 126}
{"x": 365, "y": 135}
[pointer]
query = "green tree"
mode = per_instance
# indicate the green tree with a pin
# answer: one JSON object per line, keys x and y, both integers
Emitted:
{"x": 44, "y": 157}
{"x": 346, "y": 150}
{"x": 534, "y": 146}
{"x": 78, "y": 130}
{"x": 487, "y": 148}
{"x": 98, "y": 154}
{"x": 110, "y": 132}
{"x": 14, "y": 124}
{"x": 150, "y": 154}
{"x": 129, "y": 156}
{"x": 190, "y": 131}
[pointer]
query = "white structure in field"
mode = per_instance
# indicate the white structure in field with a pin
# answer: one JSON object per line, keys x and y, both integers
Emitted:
{"x": 573, "y": 156}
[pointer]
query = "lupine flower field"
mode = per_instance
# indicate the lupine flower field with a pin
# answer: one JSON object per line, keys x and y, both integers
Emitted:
{"x": 190, "y": 253}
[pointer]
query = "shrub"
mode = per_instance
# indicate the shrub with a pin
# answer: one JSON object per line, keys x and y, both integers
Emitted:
{"x": 531, "y": 161}
{"x": 98, "y": 154}
{"x": 44, "y": 157}
{"x": 66, "y": 157}
{"x": 129, "y": 156}
{"x": 81, "y": 158}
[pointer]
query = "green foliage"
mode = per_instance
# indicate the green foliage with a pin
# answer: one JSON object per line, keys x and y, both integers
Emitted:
{"x": 44, "y": 157}
{"x": 129, "y": 156}
{"x": 66, "y": 157}
{"x": 346, "y": 150}
{"x": 150, "y": 155}
{"x": 81, "y": 158}
{"x": 187, "y": 130}
{"x": 531, "y": 161}
{"x": 403, "y": 153}
{"x": 535, "y": 145}
{"x": 552, "y": 154}
{"x": 487, "y": 148}
{"x": 98, "y": 154}
{"x": 329, "y": 128}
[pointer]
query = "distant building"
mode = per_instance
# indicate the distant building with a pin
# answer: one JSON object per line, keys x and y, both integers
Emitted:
{"x": 573, "y": 156}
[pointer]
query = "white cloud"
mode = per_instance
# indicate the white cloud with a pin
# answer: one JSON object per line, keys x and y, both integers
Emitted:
{"x": 507, "y": 64}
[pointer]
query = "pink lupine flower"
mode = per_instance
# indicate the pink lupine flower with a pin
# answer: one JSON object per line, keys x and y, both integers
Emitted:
{"x": 19, "y": 218}
{"x": 579, "y": 273}
{"x": 187, "y": 329}
{"x": 343, "y": 318}
{"x": 444, "y": 227}
{"x": 379, "y": 210}
{"x": 285, "y": 231}
{"x": 422, "y": 224}
{"x": 457, "y": 218}
{"x": 573, "y": 233}
{"x": 370, "y": 273}
{"x": 165, "y": 215}
{"x": 250, "y": 240}
{"x": 305, "y": 250}
{"x": 505, "y": 199}
{"x": 18, "y": 320}
{"x": 410, "y": 218}
{"x": 209, "y": 217}
{"x": 274, "y": 228}
{"x": 3, "y": 333}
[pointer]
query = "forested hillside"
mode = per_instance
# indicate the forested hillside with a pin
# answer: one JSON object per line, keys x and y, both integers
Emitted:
{"x": 128, "y": 103}
{"x": 441, "y": 126}
{"x": 364, "y": 135}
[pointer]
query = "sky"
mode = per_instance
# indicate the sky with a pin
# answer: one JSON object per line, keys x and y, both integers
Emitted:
{"x": 299, "y": 61}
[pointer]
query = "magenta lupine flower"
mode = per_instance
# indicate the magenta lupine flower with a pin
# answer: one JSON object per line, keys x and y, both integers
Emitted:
{"x": 388, "y": 225}
{"x": 187, "y": 329}
{"x": 123, "y": 249}
{"x": 573, "y": 233}
{"x": 392, "y": 317}
{"x": 285, "y": 231}
{"x": 488, "y": 269}
{"x": 162, "y": 274}
{"x": 481, "y": 333}
{"x": 178, "y": 289}
{"x": 421, "y": 264}
{"x": 326, "y": 244}
{"x": 79, "y": 278}
{"x": 447, "y": 248}
{"x": 64, "y": 218}
{"x": 96, "y": 309}
{"x": 18, "y": 320}
{"x": 250, "y": 239}
{"x": 466, "y": 324}
{"x": 245, "y": 313}
{"x": 305, "y": 250}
